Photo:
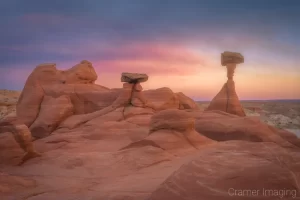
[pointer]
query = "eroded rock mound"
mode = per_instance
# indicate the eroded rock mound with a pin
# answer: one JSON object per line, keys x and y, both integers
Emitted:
{"x": 46, "y": 80}
{"x": 174, "y": 131}
{"x": 221, "y": 126}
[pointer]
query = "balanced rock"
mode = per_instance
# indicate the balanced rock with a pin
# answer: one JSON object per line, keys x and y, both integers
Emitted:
{"x": 133, "y": 77}
{"x": 227, "y": 99}
{"x": 231, "y": 57}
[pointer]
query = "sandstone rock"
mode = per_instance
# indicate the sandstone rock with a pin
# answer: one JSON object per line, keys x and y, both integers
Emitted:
{"x": 173, "y": 130}
{"x": 22, "y": 136}
{"x": 138, "y": 87}
{"x": 172, "y": 119}
{"x": 131, "y": 111}
{"x": 82, "y": 73}
{"x": 140, "y": 120}
{"x": 133, "y": 77}
{"x": 88, "y": 98}
{"x": 186, "y": 102}
{"x": 231, "y": 57}
{"x": 286, "y": 135}
{"x": 10, "y": 183}
{"x": 227, "y": 100}
{"x": 161, "y": 98}
{"x": 222, "y": 127}
{"x": 232, "y": 170}
{"x": 30, "y": 100}
{"x": 46, "y": 79}
{"x": 52, "y": 112}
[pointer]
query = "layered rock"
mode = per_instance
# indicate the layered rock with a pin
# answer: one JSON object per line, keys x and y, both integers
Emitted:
{"x": 52, "y": 112}
{"x": 174, "y": 131}
{"x": 46, "y": 80}
{"x": 186, "y": 102}
{"x": 22, "y": 136}
{"x": 221, "y": 126}
{"x": 227, "y": 99}
{"x": 235, "y": 170}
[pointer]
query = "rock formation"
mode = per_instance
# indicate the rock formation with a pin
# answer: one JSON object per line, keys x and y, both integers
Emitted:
{"x": 133, "y": 81}
{"x": 101, "y": 143}
{"x": 227, "y": 99}
{"x": 51, "y": 96}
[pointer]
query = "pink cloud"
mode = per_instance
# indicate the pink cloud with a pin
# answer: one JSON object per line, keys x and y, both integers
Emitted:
{"x": 152, "y": 58}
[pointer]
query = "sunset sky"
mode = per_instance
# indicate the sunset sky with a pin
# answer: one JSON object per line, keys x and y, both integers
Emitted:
{"x": 176, "y": 42}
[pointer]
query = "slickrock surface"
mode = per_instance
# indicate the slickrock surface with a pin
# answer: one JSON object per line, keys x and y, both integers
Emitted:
{"x": 235, "y": 170}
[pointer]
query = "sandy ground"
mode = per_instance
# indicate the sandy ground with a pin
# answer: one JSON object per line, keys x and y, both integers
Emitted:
{"x": 8, "y": 101}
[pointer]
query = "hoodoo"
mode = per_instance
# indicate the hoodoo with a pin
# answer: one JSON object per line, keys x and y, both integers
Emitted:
{"x": 227, "y": 99}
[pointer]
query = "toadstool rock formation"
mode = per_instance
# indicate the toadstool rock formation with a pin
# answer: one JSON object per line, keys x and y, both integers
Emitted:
{"x": 227, "y": 99}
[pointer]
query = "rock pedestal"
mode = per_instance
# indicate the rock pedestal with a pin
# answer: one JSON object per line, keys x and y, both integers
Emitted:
{"x": 227, "y": 99}
{"x": 136, "y": 98}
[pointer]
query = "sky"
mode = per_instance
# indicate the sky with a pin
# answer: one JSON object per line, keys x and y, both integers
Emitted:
{"x": 176, "y": 42}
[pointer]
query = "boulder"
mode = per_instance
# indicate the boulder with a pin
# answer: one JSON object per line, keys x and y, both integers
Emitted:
{"x": 133, "y": 77}
{"x": 231, "y": 58}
